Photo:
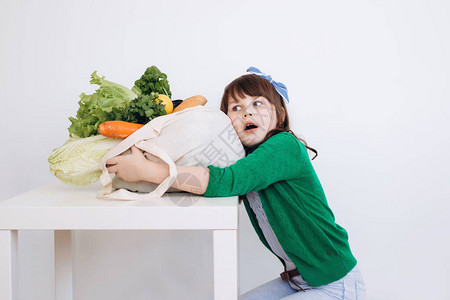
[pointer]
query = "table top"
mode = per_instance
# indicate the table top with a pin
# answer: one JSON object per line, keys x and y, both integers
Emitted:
{"x": 58, "y": 206}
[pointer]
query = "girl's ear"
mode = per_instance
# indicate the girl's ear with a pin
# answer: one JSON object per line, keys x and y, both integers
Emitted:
{"x": 283, "y": 115}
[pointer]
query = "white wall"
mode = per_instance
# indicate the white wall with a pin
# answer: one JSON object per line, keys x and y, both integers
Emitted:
{"x": 369, "y": 87}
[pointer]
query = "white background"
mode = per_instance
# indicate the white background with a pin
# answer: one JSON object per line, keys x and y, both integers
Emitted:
{"x": 369, "y": 88}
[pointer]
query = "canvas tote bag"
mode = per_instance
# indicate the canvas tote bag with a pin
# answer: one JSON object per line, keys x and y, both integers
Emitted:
{"x": 196, "y": 136}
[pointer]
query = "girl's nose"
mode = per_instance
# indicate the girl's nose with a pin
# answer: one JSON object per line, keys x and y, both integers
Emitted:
{"x": 248, "y": 114}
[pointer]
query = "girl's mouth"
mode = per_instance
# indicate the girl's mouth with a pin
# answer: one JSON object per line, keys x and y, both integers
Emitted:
{"x": 250, "y": 127}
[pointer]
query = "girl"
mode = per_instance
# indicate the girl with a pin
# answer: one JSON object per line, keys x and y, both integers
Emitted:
{"x": 281, "y": 192}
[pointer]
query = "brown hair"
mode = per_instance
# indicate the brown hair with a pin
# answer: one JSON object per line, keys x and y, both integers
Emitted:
{"x": 254, "y": 85}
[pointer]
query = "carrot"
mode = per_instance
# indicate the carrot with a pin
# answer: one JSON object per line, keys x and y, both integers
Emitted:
{"x": 118, "y": 129}
{"x": 191, "y": 102}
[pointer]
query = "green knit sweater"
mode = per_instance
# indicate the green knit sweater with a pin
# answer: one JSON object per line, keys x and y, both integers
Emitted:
{"x": 295, "y": 204}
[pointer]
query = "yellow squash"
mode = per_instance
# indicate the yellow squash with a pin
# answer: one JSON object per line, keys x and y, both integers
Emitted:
{"x": 191, "y": 102}
{"x": 166, "y": 101}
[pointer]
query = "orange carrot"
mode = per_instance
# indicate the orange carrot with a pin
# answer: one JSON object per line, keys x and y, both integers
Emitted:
{"x": 118, "y": 129}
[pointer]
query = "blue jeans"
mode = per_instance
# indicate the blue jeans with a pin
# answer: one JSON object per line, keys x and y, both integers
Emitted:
{"x": 350, "y": 287}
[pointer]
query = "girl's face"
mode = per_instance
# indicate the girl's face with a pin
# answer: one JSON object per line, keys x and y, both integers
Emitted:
{"x": 255, "y": 110}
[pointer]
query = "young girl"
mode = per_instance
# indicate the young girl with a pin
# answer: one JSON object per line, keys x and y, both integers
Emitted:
{"x": 281, "y": 192}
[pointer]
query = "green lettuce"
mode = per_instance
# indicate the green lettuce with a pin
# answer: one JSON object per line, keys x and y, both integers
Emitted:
{"x": 108, "y": 103}
{"x": 77, "y": 162}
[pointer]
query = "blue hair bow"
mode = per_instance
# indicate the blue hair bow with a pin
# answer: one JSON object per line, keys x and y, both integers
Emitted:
{"x": 280, "y": 87}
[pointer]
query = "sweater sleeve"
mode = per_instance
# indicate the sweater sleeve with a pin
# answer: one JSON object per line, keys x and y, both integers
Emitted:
{"x": 279, "y": 158}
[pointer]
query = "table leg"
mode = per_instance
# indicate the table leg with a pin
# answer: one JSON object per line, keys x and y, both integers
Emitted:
{"x": 64, "y": 278}
{"x": 9, "y": 265}
{"x": 226, "y": 276}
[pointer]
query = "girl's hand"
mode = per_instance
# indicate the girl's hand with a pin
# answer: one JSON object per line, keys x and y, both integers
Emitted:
{"x": 133, "y": 167}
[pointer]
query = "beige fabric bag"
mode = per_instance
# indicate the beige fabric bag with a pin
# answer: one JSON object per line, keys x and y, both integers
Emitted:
{"x": 196, "y": 136}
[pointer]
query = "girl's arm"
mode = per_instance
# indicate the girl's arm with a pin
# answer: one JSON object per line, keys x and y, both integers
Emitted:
{"x": 281, "y": 157}
{"x": 135, "y": 167}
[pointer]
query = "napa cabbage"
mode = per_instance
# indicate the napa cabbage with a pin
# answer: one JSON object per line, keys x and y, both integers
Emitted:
{"x": 77, "y": 162}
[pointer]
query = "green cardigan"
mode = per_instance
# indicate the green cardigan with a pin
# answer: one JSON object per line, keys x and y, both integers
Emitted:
{"x": 295, "y": 204}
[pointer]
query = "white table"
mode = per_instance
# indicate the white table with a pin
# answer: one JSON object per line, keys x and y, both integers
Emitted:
{"x": 64, "y": 209}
